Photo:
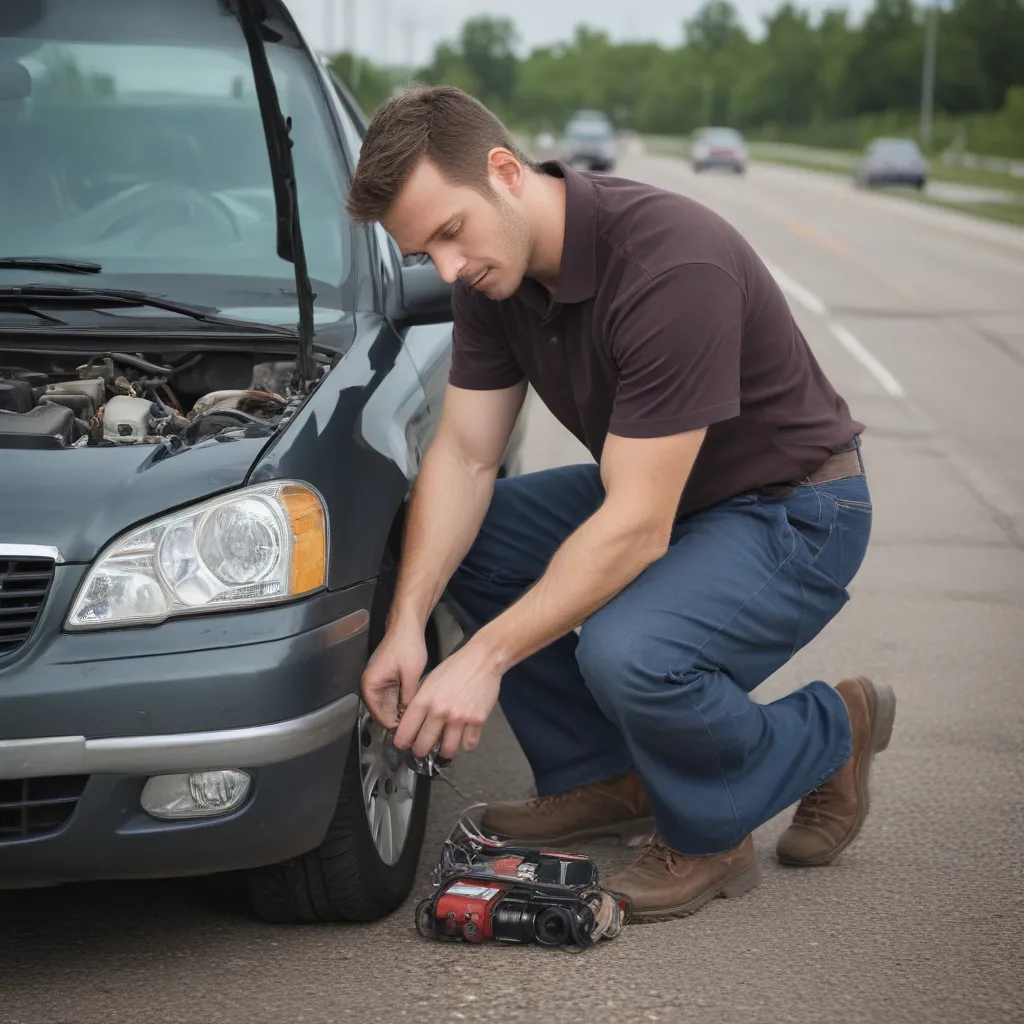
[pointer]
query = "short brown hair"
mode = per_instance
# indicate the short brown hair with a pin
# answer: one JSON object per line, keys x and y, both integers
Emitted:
{"x": 440, "y": 122}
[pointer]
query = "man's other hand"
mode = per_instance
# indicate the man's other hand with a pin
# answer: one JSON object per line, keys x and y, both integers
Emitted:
{"x": 452, "y": 704}
{"x": 394, "y": 672}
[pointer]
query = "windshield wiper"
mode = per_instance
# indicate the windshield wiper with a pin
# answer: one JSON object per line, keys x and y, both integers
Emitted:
{"x": 43, "y": 294}
{"x": 277, "y": 131}
{"x": 48, "y": 263}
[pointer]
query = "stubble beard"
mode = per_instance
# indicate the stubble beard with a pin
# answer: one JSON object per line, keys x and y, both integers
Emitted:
{"x": 517, "y": 245}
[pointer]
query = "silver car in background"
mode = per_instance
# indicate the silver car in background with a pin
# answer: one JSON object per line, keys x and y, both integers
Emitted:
{"x": 718, "y": 147}
{"x": 589, "y": 140}
{"x": 891, "y": 161}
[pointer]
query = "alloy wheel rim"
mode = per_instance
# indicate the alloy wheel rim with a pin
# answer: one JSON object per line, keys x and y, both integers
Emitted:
{"x": 388, "y": 795}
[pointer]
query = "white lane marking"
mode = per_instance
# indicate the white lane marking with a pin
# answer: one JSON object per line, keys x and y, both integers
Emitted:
{"x": 803, "y": 295}
{"x": 810, "y": 301}
{"x": 867, "y": 360}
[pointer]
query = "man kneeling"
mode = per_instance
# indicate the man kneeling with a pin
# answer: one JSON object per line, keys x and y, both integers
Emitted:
{"x": 623, "y": 611}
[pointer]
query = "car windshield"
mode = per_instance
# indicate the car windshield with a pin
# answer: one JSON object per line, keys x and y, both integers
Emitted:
{"x": 132, "y": 139}
{"x": 896, "y": 149}
{"x": 722, "y": 137}
{"x": 588, "y": 128}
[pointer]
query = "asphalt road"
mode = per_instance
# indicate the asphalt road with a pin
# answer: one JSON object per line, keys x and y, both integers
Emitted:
{"x": 918, "y": 316}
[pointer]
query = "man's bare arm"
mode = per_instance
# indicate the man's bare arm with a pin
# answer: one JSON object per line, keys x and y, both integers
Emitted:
{"x": 644, "y": 480}
{"x": 451, "y": 496}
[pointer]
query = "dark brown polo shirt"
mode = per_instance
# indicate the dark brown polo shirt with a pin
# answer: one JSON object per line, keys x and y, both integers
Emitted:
{"x": 664, "y": 320}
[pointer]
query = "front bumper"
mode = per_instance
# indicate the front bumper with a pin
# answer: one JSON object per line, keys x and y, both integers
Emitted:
{"x": 273, "y": 691}
{"x": 252, "y": 747}
{"x": 109, "y": 836}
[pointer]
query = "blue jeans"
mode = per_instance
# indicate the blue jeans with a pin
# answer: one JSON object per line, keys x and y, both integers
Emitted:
{"x": 658, "y": 679}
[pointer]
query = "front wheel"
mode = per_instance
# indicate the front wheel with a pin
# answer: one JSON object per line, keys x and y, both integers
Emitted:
{"x": 366, "y": 864}
{"x": 365, "y": 867}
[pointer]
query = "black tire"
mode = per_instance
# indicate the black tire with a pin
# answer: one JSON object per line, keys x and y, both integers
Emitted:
{"x": 344, "y": 878}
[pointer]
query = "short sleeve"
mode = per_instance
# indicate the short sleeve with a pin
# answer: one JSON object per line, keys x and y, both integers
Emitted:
{"x": 676, "y": 346}
{"x": 482, "y": 359}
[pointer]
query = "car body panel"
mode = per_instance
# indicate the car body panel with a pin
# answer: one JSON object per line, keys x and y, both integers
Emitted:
{"x": 79, "y": 500}
{"x": 108, "y": 837}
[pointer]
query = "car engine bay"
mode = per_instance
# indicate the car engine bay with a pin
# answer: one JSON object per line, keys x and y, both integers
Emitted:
{"x": 120, "y": 398}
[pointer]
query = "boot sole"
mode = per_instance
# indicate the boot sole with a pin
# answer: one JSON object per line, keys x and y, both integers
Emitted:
{"x": 883, "y": 708}
{"x": 628, "y": 833}
{"x": 729, "y": 888}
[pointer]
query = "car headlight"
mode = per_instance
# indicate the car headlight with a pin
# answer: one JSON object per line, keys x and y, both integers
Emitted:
{"x": 255, "y": 546}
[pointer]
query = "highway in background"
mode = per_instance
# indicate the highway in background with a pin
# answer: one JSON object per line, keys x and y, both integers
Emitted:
{"x": 918, "y": 317}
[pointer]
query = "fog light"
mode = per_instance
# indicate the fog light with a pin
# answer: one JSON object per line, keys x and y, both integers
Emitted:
{"x": 198, "y": 795}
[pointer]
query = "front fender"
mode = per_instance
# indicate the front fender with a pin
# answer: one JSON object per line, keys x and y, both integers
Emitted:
{"x": 359, "y": 440}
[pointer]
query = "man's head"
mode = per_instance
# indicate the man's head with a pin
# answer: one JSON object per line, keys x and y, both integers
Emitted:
{"x": 441, "y": 173}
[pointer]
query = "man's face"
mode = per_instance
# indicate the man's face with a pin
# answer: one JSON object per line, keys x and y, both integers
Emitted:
{"x": 484, "y": 243}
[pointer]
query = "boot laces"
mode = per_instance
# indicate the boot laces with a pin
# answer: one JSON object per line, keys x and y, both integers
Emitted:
{"x": 812, "y": 806}
{"x": 655, "y": 851}
{"x": 554, "y": 798}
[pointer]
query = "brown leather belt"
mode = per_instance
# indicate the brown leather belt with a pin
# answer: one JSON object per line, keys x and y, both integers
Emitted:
{"x": 837, "y": 467}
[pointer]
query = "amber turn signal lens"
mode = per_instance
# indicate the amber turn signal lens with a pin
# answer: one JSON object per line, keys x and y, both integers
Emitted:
{"x": 309, "y": 539}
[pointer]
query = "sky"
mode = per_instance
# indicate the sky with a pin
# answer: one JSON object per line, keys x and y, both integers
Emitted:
{"x": 387, "y": 30}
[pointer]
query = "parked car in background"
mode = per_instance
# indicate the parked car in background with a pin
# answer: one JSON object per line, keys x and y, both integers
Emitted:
{"x": 589, "y": 139}
{"x": 718, "y": 147}
{"x": 891, "y": 161}
{"x": 213, "y": 403}
{"x": 546, "y": 144}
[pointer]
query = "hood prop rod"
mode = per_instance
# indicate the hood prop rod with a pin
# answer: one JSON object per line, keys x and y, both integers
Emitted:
{"x": 277, "y": 130}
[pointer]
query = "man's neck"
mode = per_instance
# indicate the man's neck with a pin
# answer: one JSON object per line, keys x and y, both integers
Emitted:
{"x": 547, "y": 226}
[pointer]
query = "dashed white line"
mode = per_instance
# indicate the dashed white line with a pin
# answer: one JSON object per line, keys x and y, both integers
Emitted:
{"x": 867, "y": 360}
{"x": 845, "y": 337}
{"x": 803, "y": 295}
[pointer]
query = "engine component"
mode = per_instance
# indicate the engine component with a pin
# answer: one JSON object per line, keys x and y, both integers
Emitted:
{"x": 216, "y": 421}
{"x": 16, "y": 396}
{"x": 272, "y": 377}
{"x": 127, "y": 420}
{"x": 93, "y": 388}
{"x": 80, "y": 405}
{"x": 124, "y": 359}
{"x": 214, "y": 372}
{"x": 19, "y": 389}
{"x": 166, "y": 422}
{"x": 125, "y": 398}
{"x": 46, "y": 426}
{"x": 246, "y": 401}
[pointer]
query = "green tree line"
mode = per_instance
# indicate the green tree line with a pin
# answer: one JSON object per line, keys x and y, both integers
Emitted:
{"x": 823, "y": 80}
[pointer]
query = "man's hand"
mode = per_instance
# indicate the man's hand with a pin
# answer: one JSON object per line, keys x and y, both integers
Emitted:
{"x": 455, "y": 699}
{"x": 393, "y": 673}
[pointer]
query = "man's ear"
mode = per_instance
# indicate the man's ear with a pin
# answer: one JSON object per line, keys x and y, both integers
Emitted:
{"x": 504, "y": 168}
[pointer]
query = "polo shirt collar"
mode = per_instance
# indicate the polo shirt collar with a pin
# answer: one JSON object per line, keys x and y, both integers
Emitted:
{"x": 577, "y": 275}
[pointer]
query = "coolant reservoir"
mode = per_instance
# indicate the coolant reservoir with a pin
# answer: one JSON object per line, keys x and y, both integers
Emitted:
{"x": 126, "y": 419}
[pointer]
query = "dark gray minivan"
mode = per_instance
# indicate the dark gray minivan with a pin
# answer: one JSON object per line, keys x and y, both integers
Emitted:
{"x": 215, "y": 392}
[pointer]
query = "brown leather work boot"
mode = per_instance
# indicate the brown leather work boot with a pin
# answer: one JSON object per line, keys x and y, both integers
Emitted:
{"x": 829, "y": 818}
{"x": 615, "y": 807}
{"x": 664, "y": 884}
